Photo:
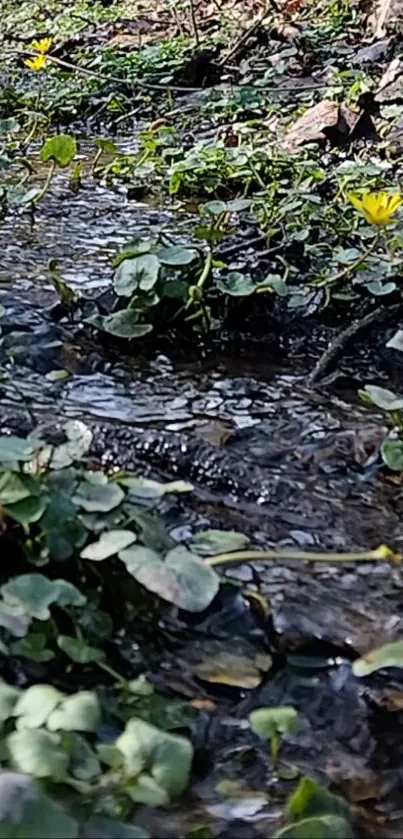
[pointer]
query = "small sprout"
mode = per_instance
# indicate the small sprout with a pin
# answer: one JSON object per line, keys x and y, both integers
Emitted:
{"x": 271, "y": 723}
{"x": 377, "y": 207}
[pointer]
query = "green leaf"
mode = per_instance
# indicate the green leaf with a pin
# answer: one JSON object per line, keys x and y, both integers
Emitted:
{"x": 110, "y": 755}
{"x": 380, "y": 289}
{"x": 106, "y": 145}
{"x": 34, "y": 593}
{"x": 108, "y": 544}
{"x": 236, "y": 284}
{"x": 84, "y": 764}
{"x": 79, "y": 439}
{"x": 382, "y": 398}
{"x": 347, "y": 255}
{"x": 182, "y": 578}
{"x": 98, "y": 498}
{"x": 396, "y": 341}
{"x": 123, "y": 324}
{"x": 165, "y": 757}
{"x": 312, "y": 799}
{"x": 33, "y": 647}
{"x": 38, "y": 753}
{"x": 238, "y": 204}
{"x": 35, "y": 705}
{"x": 138, "y": 272}
{"x": 8, "y": 698}
{"x": 177, "y": 256}
{"x": 392, "y": 454}
{"x": 26, "y": 811}
{"x": 211, "y": 542}
{"x": 80, "y": 712}
{"x": 28, "y": 510}
{"x": 267, "y": 722}
{"x": 61, "y": 148}
{"x": 214, "y": 208}
{"x": 12, "y": 489}
{"x": 107, "y": 828}
{"x": 389, "y": 655}
{"x": 14, "y": 449}
{"x": 322, "y": 827}
{"x": 147, "y": 488}
{"x": 79, "y": 651}
{"x": 147, "y": 791}
{"x": 63, "y": 529}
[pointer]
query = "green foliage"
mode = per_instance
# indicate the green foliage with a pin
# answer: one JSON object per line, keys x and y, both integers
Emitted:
{"x": 313, "y": 811}
{"x": 389, "y": 655}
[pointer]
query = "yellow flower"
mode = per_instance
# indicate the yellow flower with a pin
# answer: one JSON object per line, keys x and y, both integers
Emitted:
{"x": 36, "y": 63}
{"x": 377, "y": 207}
{"x": 42, "y": 46}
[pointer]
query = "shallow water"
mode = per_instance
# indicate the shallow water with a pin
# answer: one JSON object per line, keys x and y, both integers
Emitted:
{"x": 317, "y": 450}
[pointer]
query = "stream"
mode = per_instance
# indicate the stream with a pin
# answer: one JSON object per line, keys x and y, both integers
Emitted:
{"x": 298, "y": 469}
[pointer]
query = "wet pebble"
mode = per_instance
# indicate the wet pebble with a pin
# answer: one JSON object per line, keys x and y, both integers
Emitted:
{"x": 302, "y": 538}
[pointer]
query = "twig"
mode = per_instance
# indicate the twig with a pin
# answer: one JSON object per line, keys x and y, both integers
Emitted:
{"x": 194, "y": 23}
{"x": 338, "y": 344}
{"x": 272, "y": 5}
{"x": 239, "y": 557}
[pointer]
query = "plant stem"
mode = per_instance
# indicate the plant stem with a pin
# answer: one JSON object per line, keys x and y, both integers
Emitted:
{"x": 349, "y": 268}
{"x": 238, "y": 557}
{"x": 206, "y": 269}
{"x": 110, "y": 670}
{"x": 49, "y": 176}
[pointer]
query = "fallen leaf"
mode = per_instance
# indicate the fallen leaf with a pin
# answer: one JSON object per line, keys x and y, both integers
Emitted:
{"x": 233, "y": 670}
{"x": 311, "y": 126}
{"x": 383, "y": 12}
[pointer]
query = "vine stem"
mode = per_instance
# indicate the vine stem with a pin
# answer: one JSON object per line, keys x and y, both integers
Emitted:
{"x": 238, "y": 557}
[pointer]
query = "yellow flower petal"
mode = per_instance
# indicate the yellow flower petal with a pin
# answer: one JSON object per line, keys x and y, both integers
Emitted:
{"x": 36, "y": 63}
{"x": 377, "y": 207}
{"x": 355, "y": 200}
{"x": 43, "y": 45}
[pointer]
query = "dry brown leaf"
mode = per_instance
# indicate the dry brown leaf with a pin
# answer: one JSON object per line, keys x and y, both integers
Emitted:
{"x": 234, "y": 670}
{"x": 383, "y": 12}
{"x": 391, "y": 83}
{"x": 312, "y": 124}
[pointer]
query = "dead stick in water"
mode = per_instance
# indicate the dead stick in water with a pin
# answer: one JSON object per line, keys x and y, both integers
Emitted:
{"x": 338, "y": 344}
{"x": 239, "y": 557}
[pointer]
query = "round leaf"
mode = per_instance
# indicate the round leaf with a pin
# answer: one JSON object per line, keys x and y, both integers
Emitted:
{"x": 176, "y": 256}
{"x": 38, "y": 753}
{"x": 165, "y": 757}
{"x": 80, "y": 712}
{"x": 99, "y": 498}
{"x": 34, "y": 593}
{"x": 123, "y": 324}
{"x": 211, "y": 542}
{"x": 392, "y": 454}
{"x": 214, "y": 208}
{"x": 35, "y": 705}
{"x": 383, "y": 398}
{"x": 182, "y": 578}
{"x": 28, "y": 510}
{"x": 8, "y": 698}
{"x": 236, "y": 284}
{"x": 78, "y": 650}
{"x": 61, "y": 148}
{"x": 389, "y": 655}
{"x": 84, "y": 763}
{"x": 267, "y": 722}
{"x": 26, "y": 811}
{"x": 12, "y": 489}
{"x": 108, "y": 544}
{"x": 138, "y": 272}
